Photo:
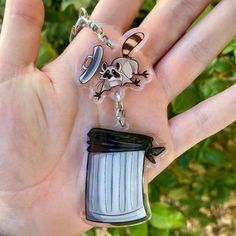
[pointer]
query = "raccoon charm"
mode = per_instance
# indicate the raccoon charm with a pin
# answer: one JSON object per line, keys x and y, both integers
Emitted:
{"x": 122, "y": 71}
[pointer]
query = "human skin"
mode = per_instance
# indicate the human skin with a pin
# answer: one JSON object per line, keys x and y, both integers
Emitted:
{"x": 45, "y": 115}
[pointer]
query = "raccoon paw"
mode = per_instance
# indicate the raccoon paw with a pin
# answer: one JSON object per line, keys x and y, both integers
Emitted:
{"x": 98, "y": 95}
{"x": 145, "y": 74}
{"x": 136, "y": 82}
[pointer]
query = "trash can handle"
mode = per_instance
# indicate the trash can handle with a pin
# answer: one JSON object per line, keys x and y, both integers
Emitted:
{"x": 85, "y": 67}
{"x": 151, "y": 152}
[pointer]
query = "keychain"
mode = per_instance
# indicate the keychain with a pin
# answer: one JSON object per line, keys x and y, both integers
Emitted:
{"x": 114, "y": 191}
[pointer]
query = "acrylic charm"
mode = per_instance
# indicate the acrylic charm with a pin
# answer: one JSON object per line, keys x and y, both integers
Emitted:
{"x": 122, "y": 71}
{"x": 115, "y": 193}
{"x": 114, "y": 182}
{"x": 94, "y": 62}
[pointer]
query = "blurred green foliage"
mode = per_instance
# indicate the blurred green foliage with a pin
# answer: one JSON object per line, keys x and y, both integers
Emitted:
{"x": 205, "y": 175}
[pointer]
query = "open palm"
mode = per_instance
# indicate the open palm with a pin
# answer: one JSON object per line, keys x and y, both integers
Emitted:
{"x": 45, "y": 115}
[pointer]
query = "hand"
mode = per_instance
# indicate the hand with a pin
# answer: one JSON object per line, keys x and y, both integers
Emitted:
{"x": 45, "y": 117}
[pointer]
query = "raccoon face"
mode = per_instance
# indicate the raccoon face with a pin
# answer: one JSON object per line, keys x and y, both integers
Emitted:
{"x": 111, "y": 72}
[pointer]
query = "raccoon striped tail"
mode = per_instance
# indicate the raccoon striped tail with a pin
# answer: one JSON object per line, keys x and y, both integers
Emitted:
{"x": 132, "y": 42}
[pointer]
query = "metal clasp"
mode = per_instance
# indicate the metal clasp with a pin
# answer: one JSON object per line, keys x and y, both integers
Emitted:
{"x": 120, "y": 113}
{"x": 84, "y": 21}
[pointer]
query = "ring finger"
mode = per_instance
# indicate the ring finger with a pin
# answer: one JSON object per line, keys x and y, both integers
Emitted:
{"x": 167, "y": 22}
{"x": 189, "y": 57}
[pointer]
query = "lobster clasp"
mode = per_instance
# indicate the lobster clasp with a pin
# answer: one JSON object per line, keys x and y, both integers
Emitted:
{"x": 120, "y": 113}
{"x": 82, "y": 22}
{"x": 85, "y": 21}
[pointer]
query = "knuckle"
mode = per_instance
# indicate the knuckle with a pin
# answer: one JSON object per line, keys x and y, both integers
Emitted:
{"x": 28, "y": 11}
{"x": 163, "y": 75}
{"x": 202, "y": 121}
{"x": 166, "y": 78}
{"x": 199, "y": 50}
{"x": 182, "y": 6}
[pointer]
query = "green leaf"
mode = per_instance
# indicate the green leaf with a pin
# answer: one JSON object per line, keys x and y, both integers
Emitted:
{"x": 157, "y": 232}
{"x": 53, "y": 16}
{"x": 235, "y": 56}
{"x": 213, "y": 86}
{"x": 88, "y": 233}
{"x": 178, "y": 193}
{"x": 77, "y": 4}
{"x": 230, "y": 47}
{"x": 138, "y": 230}
{"x": 197, "y": 168}
{"x": 230, "y": 179}
{"x": 163, "y": 232}
{"x": 166, "y": 217}
{"x": 148, "y": 5}
{"x": 118, "y": 231}
{"x": 185, "y": 100}
{"x": 191, "y": 234}
{"x": 213, "y": 156}
{"x": 220, "y": 194}
{"x": 221, "y": 65}
{"x": 166, "y": 180}
{"x": 46, "y": 54}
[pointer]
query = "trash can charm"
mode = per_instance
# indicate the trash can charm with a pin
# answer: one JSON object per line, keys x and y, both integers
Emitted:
{"x": 114, "y": 181}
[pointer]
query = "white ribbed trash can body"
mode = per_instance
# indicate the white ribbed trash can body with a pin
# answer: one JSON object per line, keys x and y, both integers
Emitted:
{"x": 114, "y": 188}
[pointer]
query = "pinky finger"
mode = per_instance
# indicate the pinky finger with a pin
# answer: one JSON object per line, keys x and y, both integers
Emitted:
{"x": 203, "y": 120}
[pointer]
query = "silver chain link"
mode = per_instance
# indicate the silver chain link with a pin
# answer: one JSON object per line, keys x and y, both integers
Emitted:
{"x": 85, "y": 21}
{"x": 120, "y": 112}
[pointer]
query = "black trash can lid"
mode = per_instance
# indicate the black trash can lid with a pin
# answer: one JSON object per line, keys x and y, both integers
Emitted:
{"x": 108, "y": 141}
